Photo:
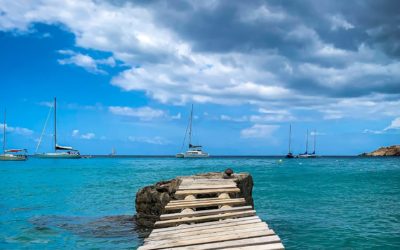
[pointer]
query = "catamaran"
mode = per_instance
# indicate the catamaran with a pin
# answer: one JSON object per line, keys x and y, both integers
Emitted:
{"x": 194, "y": 151}
{"x": 306, "y": 154}
{"x": 11, "y": 154}
{"x": 289, "y": 154}
{"x": 60, "y": 152}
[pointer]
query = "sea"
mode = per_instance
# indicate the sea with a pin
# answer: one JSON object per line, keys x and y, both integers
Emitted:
{"x": 322, "y": 203}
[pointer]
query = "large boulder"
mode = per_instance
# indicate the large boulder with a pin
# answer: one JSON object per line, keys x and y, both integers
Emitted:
{"x": 385, "y": 151}
{"x": 151, "y": 200}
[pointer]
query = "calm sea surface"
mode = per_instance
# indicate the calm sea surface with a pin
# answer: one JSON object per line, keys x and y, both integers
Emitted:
{"x": 326, "y": 203}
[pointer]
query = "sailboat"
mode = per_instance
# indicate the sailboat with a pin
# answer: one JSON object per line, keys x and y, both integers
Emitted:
{"x": 11, "y": 154}
{"x": 313, "y": 154}
{"x": 194, "y": 151}
{"x": 306, "y": 154}
{"x": 289, "y": 154}
{"x": 60, "y": 152}
{"x": 113, "y": 152}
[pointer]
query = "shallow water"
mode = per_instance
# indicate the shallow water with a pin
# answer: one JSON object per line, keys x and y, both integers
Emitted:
{"x": 326, "y": 203}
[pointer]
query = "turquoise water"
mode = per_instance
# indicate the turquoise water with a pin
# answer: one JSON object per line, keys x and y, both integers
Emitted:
{"x": 326, "y": 203}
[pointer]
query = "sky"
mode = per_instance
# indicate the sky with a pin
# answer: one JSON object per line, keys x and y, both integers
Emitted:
{"x": 125, "y": 74}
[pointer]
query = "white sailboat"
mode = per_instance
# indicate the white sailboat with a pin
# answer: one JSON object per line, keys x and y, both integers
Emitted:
{"x": 290, "y": 154}
{"x": 113, "y": 152}
{"x": 194, "y": 151}
{"x": 306, "y": 154}
{"x": 11, "y": 154}
{"x": 60, "y": 152}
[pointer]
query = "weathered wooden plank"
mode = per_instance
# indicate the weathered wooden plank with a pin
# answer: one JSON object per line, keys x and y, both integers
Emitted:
{"x": 192, "y": 180}
{"x": 232, "y": 243}
{"x": 212, "y": 239}
{"x": 167, "y": 223}
{"x": 202, "y": 232}
{"x": 205, "y": 186}
{"x": 198, "y": 203}
{"x": 204, "y": 212}
{"x": 273, "y": 246}
{"x": 243, "y": 232}
{"x": 195, "y": 200}
{"x": 207, "y": 191}
{"x": 206, "y": 225}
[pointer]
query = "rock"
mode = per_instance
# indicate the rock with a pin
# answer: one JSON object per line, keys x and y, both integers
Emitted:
{"x": 151, "y": 200}
{"x": 385, "y": 151}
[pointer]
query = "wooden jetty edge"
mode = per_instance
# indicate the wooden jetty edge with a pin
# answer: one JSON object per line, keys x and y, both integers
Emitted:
{"x": 207, "y": 214}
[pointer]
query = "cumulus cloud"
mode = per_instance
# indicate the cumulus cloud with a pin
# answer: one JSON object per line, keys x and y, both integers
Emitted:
{"x": 16, "y": 130}
{"x": 258, "y": 131}
{"x": 85, "y": 61}
{"x": 149, "y": 140}
{"x": 276, "y": 54}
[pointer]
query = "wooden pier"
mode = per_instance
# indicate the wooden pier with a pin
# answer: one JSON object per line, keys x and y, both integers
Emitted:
{"x": 206, "y": 217}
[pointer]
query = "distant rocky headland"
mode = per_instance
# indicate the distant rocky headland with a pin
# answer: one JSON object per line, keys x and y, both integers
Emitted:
{"x": 385, "y": 151}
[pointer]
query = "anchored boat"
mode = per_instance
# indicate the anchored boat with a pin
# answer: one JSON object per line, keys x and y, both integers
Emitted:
{"x": 289, "y": 154}
{"x": 194, "y": 151}
{"x": 60, "y": 152}
{"x": 11, "y": 154}
{"x": 306, "y": 154}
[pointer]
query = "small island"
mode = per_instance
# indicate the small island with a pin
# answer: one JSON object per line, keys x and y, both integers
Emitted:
{"x": 385, "y": 151}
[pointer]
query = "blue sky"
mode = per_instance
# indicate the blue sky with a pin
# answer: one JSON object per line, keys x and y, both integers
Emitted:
{"x": 126, "y": 72}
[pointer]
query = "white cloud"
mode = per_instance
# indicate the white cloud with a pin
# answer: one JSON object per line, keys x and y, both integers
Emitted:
{"x": 272, "y": 116}
{"x": 338, "y": 22}
{"x": 87, "y": 136}
{"x": 234, "y": 119}
{"x": 370, "y": 131}
{"x": 75, "y": 132}
{"x": 258, "y": 131}
{"x": 16, "y": 130}
{"x": 316, "y": 133}
{"x": 176, "y": 117}
{"x": 142, "y": 113}
{"x": 150, "y": 140}
{"x": 262, "y": 14}
{"x": 395, "y": 124}
{"x": 172, "y": 71}
{"x": 46, "y": 104}
{"x": 85, "y": 61}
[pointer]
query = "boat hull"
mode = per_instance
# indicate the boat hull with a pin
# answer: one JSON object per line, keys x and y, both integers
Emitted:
{"x": 307, "y": 156}
{"x": 13, "y": 157}
{"x": 58, "y": 156}
{"x": 180, "y": 155}
{"x": 195, "y": 156}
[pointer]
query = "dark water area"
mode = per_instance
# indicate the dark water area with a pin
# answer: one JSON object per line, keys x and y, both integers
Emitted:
{"x": 324, "y": 203}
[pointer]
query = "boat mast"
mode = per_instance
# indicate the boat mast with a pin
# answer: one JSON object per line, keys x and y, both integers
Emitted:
{"x": 307, "y": 143}
{"x": 315, "y": 140}
{"x": 290, "y": 137}
{"x": 4, "y": 133}
{"x": 190, "y": 127}
{"x": 55, "y": 124}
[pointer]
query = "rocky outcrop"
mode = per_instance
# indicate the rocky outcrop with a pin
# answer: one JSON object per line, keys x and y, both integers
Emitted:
{"x": 385, "y": 151}
{"x": 151, "y": 200}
